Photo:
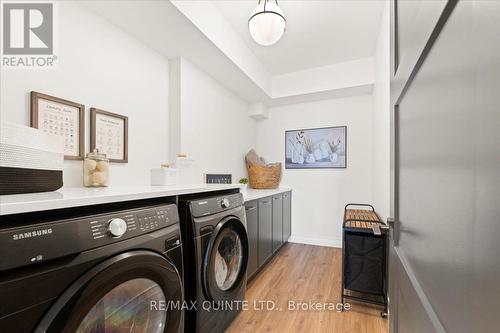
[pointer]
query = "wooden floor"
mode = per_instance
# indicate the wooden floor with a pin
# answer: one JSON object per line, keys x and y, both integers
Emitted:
{"x": 304, "y": 273}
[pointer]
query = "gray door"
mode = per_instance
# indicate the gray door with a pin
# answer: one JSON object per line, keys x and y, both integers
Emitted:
{"x": 277, "y": 221}
{"x": 445, "y": 95}
{"x": 253, "y": 236}
{"x": 287, "y": 216}
{"x": 265, "y": 229}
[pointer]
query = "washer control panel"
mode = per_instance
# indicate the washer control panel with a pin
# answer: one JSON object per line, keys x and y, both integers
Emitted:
{"x": 215, "y": 205}
{"x": 114, "y": 227}
{"x": 117, "y": 227}
{"x": 224, "y": 203}
{"x": 152, "y": 220}
{"x": 132, "y": 223}
{"x": 44, "y": 241}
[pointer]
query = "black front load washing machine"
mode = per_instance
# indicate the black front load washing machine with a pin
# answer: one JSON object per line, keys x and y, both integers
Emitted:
{"x": 92, "y": 270}
{"x": 216, "y": 257}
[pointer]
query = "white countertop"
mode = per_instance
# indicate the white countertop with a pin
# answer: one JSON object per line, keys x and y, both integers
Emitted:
{"x": 67, "y": 197}
{"x": 84, "y": 196}
{"x": 251, "y": 194}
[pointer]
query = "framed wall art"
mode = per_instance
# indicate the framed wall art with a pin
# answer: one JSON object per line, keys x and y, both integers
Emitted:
{"x": 316, "y": 148}
{"x": 109, "y": 134}
{"x": 62, "y": 118}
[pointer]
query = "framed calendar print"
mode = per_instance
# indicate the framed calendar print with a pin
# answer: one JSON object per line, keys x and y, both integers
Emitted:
{"x": 109, "y": 134}
{"x": 60, "y": 117}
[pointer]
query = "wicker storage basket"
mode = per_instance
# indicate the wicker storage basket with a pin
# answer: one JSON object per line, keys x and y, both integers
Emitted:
{"x": 264, "y": 177}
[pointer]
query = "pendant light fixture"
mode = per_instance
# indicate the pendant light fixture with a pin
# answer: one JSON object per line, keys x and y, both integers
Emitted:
{"x": 267, "y": 23}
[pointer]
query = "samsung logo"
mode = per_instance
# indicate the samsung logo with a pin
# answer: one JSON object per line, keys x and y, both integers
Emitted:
{"x": 32, "y": 234}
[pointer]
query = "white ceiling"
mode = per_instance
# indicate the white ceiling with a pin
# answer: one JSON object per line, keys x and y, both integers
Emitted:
{"x": 319, "y": 32}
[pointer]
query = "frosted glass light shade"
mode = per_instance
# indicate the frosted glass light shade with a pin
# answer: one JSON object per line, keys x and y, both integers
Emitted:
{"x": 267, "y": 23}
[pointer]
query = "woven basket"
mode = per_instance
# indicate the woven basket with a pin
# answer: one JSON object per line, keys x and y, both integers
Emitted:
{"x": 264, "y": 177}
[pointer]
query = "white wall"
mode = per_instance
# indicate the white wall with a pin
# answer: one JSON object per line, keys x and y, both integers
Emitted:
{"x": 319, "y": 195}
{"x": 203, "y": 14}
{"x": 338, "y": 76}
{"x": 216, "y": 130}
{"x": 381, "y": 119}
{"x": 100, "y": 66}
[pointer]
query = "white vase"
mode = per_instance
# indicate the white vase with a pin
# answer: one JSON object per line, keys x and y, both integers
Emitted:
{"x": 317, "y": 154}
{"x": 334, "y": 157}
{"x": 298, "y": 154}
{"x": 325, "y": 149}
{"x": 295, "y": 155}
{"x": 310, "y": 158}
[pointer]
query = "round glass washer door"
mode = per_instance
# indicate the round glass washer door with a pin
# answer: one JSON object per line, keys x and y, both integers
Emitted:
{"x": 120, "y": 294}
{"x": 126, "y": 308}
{"x": 228, "y": 258}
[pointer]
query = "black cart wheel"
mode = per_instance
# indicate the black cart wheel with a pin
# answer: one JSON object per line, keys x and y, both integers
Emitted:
{"x": 383, "y": 314}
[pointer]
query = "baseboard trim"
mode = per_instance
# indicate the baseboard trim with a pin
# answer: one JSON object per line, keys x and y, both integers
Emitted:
{"x": 316, "y": 241}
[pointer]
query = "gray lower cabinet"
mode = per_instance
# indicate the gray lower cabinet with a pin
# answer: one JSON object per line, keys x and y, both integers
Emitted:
{"x": 265, "y": 243}
{"x": 277, "y": 221}
{"x": 287, "y": 216}
{"x": 251, "y": 210}
{"x": 268, "y": 227}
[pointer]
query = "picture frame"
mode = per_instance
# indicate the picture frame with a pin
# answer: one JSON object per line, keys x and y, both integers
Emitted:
{"x": 60, "y": 117}
{"x": 316, "y": 148}
{"x": 109, "y": 134}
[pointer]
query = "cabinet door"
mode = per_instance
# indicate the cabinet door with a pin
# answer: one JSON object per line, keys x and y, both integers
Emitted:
{"x": 265, "y": 214}
{"x": 253, "y": 237}
{"x": 277, "y": 221}
{"x": 287, "y": 216}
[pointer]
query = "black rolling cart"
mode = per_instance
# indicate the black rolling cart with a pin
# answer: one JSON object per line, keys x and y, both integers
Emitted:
{"x": 364, "y": 256}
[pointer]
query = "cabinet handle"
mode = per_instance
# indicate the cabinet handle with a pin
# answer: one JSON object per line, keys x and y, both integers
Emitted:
{"x": 250, "y": 208}
{"x": 265, "y": 202}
